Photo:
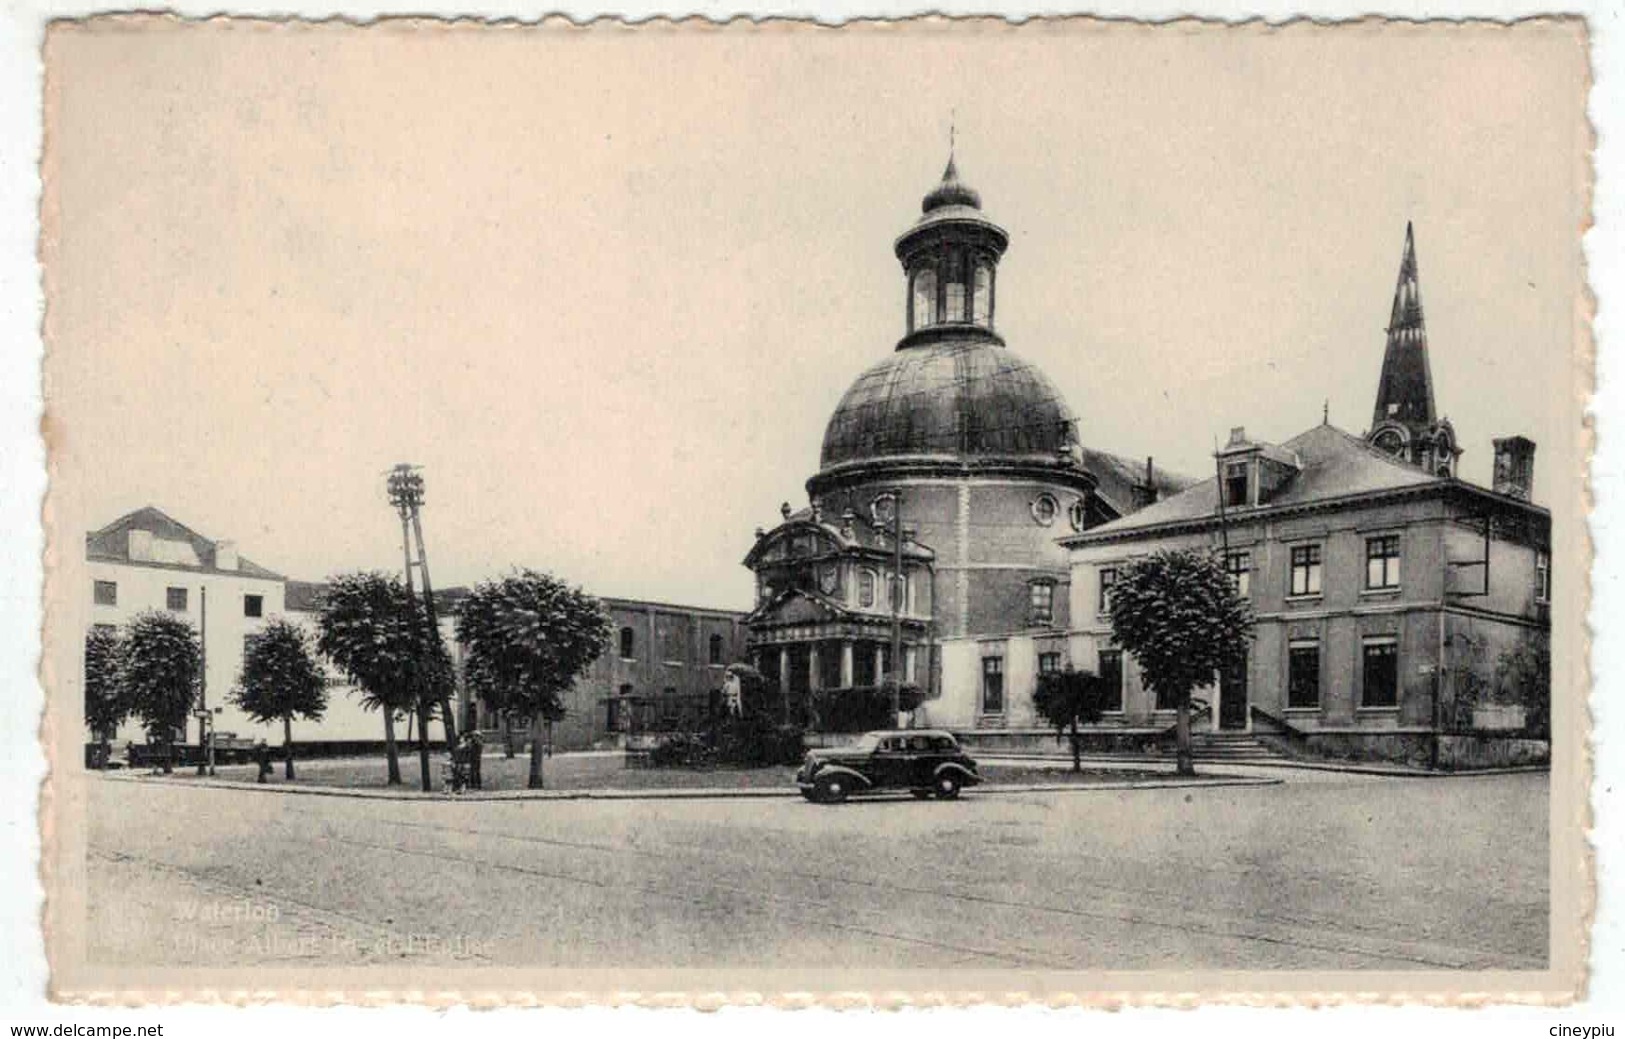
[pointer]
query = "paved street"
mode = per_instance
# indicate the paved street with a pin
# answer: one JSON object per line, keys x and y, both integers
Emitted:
{"x": 1325, "y": 871}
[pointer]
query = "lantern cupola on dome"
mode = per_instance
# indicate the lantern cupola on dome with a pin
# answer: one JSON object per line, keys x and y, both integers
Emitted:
{"x": 950, "y": 257}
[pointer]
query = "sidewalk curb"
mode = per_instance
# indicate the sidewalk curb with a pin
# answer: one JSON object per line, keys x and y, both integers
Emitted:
{"x": 1353, "y": 768}
{"x": 688, "y": 794}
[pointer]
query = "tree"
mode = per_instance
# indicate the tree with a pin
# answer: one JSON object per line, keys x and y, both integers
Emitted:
{"x": 280, "y": 679}
{"x": 1179, "y": 614}
{"x": 366, "y": 627}
{"x": 1067, "y": 699}
{"x": 105, "y": 704}
{"x": 528, "y": 637}
{"x": 163, "y": 664}
{"x": 1524, "y": 675}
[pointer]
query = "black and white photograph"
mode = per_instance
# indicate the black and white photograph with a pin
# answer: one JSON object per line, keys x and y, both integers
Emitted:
{"x": 943, "y": 506}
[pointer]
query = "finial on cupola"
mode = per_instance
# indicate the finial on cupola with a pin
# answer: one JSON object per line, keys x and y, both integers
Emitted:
{"x": 784, "y": 510}
{"x": 849, "y": 521}
{"x": 818, "y": 511}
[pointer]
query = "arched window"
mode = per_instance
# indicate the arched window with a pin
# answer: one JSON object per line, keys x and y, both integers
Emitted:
{"x": 925, "y": 298}
{"x": 866, "y": 588}
{"x": 982, "y": 302}
{"x": 629, "y": 644}
{"x": 716, "y": 649}
{"x": 953, "y": 296}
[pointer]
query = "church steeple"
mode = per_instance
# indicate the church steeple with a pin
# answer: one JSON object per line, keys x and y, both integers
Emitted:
{"x": 1405, "y": 392}
{"x": 1404, "y": 421}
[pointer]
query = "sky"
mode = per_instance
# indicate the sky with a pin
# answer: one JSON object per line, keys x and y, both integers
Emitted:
{"x": 606, "y": 286}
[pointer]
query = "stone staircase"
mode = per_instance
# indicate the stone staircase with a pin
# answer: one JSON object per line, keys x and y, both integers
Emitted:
{"x": 1231, "y": 746}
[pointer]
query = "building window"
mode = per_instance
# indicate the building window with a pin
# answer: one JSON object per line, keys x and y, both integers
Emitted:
{"x": 1306, "y": 570}
{"x": 1303, "y": 675}
{"x": 866, "y": 588}
{"x": 953, "y": 296}
{"x": 1379, "y": 685}
{"x": 925, "y": 298}
{"x": 1239, "y": 565}
{"x": 629, "y": 644}
{"x": 1108, "y": 578}
{"x": 1077, "y": 515}
{"x": 1111, "y": 679}
{"x": 105, "y": 593}
{"x": 992, "y": 685}
{"x": 1382, "y": 561}
{"x": 1049, "y": 663}
{"x": 175, "y": 599}
{"x": 982, "y": 304}
{"x": 253, "y": 606}
{"x": 1045, "y": 508}
{"x": 1042, "y": 601}
{"x": 716, "y": 650}
{"x": 1543, "y": 577}
{"x": 1235, "y": 484}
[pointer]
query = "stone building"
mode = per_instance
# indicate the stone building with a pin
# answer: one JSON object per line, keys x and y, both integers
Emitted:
{"x": 947, "y": 472}
{"x": 665, "y": 664}
{"x": 1389, "y": 594}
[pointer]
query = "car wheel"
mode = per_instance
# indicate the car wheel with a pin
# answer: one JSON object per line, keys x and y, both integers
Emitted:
{"x": 921, "y": 794}
{"x": 831, "y": 789}
{"x": 947, "y": 787}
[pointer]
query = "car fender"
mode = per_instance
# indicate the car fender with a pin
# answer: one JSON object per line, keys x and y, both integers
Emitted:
{"x": 954, "y": 766}
{"x": 844, "y": 771}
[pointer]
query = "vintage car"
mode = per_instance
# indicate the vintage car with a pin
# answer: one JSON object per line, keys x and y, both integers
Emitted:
{"x": 922, "y": 761}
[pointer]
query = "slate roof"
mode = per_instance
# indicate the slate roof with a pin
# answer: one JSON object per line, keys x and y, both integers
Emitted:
{"x": 112, "y": 544}
{"x": 1336, "y": 464}
{"x": 1116, "y": 477}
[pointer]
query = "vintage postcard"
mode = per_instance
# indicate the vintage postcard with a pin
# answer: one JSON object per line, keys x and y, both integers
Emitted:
{"x": 939, "y": 511}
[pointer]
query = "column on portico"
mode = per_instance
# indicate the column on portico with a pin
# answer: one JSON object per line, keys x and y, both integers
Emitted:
{"x": 880, "y": 663}
{"x": 814, "y": 676}
{"x": 908, "y": 663}
{"x": 846, "y": 663}
{"x": 784, "y": 673}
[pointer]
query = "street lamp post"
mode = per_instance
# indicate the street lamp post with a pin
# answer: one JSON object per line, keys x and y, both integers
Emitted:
{"x": 897, "y": 588}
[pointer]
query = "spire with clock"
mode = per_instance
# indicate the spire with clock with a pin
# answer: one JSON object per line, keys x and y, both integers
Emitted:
{"x": 1404, "y": 422}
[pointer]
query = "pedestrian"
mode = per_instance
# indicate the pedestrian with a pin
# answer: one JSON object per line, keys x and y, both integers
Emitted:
{"x": 476, "y": 750}
{"x": 262, "y": 758}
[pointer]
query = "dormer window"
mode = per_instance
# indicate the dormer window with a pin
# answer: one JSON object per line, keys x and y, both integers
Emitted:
{"x": 1235, "y": 484}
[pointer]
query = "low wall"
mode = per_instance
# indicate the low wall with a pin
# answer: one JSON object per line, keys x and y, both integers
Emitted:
{"x": 1470, "y": 752}
{"x": 1399, "y": 748}
{"x": 1043, "y": 741}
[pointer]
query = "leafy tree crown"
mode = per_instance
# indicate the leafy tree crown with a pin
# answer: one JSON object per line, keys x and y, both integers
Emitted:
{"x": 163, "y": 664}
{"x": 281, "y": 677}
{"x": 528, "y": 637}
{"x": 1179, "y": 614}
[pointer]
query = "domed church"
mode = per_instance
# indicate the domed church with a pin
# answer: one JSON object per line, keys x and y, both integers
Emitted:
{"x": 955, "y": 463}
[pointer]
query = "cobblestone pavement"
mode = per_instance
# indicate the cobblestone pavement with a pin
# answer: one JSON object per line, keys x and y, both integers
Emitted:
{"x": 1327, "y": 871}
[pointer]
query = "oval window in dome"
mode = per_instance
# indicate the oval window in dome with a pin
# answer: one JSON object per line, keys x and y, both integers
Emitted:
{"x": 1076, "y": 515}
{"x": 1045, "y": 508}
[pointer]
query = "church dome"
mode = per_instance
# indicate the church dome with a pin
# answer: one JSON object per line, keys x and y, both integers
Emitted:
{"x": 961, "y": 398}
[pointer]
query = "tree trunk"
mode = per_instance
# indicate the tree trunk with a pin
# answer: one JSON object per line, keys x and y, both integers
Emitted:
{"x": 390, "y": 749}
{"x": 1077, "y": 750}
{"x": 1182, "y": 737}
{"x": 423, "y": 747}
{"x": 534, "y": 782}
{"x": 169, "y": 752}
{"x": 507, "y": 737}
{"x": 287, "y": 745}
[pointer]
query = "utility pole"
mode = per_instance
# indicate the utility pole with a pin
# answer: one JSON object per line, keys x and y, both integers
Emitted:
{"x": 205, "y": 747}
{"x": 897, "y": 604}
{"x": 406, "y": 494}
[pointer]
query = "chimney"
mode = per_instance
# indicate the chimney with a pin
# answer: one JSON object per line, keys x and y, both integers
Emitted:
{"x": 225, "y": 555}
{"x": 1145, "y": 492}
{"x": 1514, "y": 467}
